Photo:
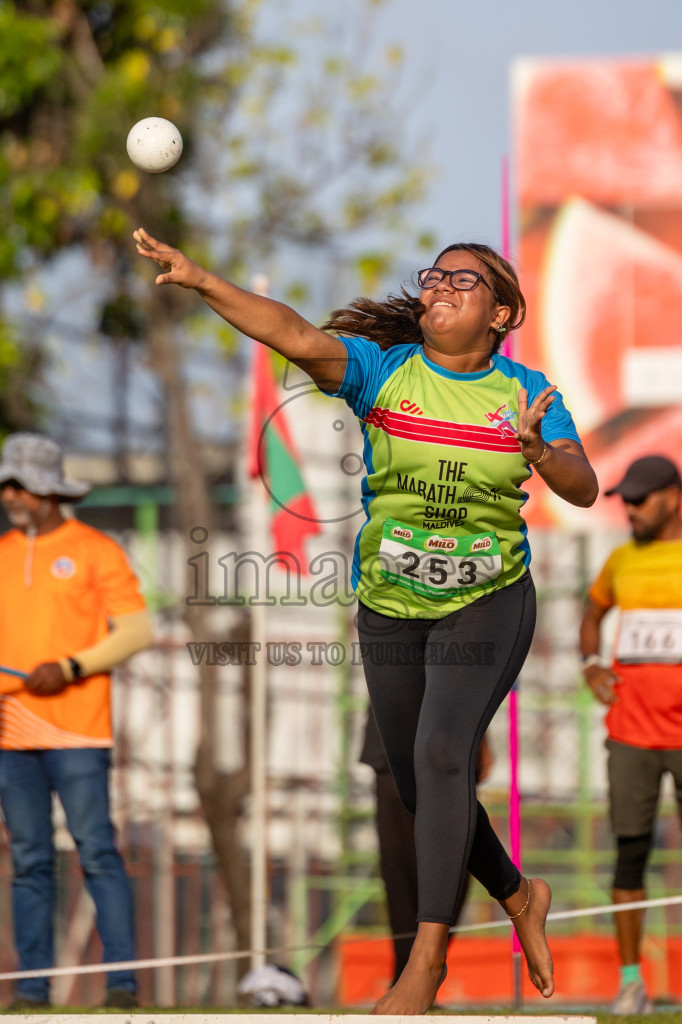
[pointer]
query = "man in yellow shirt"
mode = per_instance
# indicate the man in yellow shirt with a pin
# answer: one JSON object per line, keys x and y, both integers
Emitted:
{"x": 642, "y": 688}
{"x": 70, "y": 609}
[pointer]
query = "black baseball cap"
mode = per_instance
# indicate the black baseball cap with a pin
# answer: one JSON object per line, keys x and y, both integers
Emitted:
{"x": 650, "y": 473}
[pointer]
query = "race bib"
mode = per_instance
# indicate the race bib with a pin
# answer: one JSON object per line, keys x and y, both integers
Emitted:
{"x": 435, "y": 566}
{"x": 650, "y": 635}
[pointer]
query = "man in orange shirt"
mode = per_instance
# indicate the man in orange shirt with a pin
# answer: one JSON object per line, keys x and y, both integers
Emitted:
{"x": 642, "y": 688}
{"x": 70, "y": 609}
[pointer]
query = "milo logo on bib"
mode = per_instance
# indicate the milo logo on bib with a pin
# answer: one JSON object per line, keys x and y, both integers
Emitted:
{"x": 440, "y": 544}
{"x": 437, "y": 567}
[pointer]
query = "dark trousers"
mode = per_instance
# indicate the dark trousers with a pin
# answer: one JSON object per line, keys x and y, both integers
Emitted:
{"x": 434, "y": 686}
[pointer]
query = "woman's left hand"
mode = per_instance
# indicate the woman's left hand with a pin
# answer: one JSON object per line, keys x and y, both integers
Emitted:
{"x": 528, "y": 431}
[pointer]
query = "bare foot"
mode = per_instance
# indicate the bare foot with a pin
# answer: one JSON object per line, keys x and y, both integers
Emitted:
{"x": 414, "y": 991}
{"x": 529, "y": 908}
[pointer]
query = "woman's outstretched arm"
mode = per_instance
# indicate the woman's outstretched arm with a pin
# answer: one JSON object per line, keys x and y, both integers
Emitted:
{"x": 276, "y": 325}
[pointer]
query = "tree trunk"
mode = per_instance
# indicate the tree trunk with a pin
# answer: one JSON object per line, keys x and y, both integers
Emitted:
{"x": 222, "y": 794}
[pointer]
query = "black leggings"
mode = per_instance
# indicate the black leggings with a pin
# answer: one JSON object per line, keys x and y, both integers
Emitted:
{"x": 434, "y": 685}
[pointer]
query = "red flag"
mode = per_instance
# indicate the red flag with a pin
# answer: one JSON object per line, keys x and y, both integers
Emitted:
{"x": 273, "y": 457}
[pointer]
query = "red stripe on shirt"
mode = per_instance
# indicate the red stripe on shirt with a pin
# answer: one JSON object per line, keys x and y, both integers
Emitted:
{"x": 428, "y": 431}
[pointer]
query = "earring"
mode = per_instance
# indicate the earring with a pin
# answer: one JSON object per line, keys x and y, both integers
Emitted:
{"x": 500, "y": 328}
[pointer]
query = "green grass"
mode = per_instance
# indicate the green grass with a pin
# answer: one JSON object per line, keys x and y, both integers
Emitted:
{"x": 651, "y": 1018}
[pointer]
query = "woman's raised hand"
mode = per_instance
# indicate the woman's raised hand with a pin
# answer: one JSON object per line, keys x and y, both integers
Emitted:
{"x": 176, "y": 267}
{"x": 530, "y": 420}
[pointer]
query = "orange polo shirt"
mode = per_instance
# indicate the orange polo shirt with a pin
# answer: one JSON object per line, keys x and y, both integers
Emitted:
{"x": 644, "y": 576}
{"x": 57, "y": 594}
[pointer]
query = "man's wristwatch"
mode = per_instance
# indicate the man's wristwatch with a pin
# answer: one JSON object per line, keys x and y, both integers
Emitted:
{"x": 76, "y": 668}
{"x": 591, "y": 659}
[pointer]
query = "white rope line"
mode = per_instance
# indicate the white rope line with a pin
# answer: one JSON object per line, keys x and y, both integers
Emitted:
{"x": 564, "y": 915}
{"x": 212, "y": 958}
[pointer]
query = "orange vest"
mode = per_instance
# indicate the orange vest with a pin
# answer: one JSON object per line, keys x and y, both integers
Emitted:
{"x": 57, "y": 594}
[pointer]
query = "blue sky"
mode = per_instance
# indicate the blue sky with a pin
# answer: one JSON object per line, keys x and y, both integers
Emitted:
{"x": 458, "y": 57}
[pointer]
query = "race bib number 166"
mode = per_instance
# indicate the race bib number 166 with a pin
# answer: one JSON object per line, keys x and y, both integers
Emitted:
{"x": 436, "y": 566}
{"x": 650, "y": 635}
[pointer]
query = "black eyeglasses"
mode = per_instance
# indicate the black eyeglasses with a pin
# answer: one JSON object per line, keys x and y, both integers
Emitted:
{"x": 461, "y": 280}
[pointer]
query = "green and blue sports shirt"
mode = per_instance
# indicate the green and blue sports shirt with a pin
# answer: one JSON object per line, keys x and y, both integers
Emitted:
{"x": 442, "y": 493}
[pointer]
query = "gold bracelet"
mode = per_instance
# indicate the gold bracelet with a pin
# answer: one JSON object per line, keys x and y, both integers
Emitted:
{"x": 545, "y": 448}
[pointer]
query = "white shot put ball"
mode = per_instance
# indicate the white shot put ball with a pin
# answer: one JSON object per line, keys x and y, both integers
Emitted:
{"x": 154, "y": 144}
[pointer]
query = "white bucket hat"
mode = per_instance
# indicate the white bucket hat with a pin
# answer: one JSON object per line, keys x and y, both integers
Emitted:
{"x": 35, "y": 462}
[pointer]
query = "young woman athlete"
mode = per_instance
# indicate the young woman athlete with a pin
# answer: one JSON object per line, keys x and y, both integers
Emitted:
{"x": 446, "y": 602}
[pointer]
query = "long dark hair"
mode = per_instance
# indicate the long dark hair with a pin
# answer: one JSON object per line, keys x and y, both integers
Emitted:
{"x": 395, "y": 319}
